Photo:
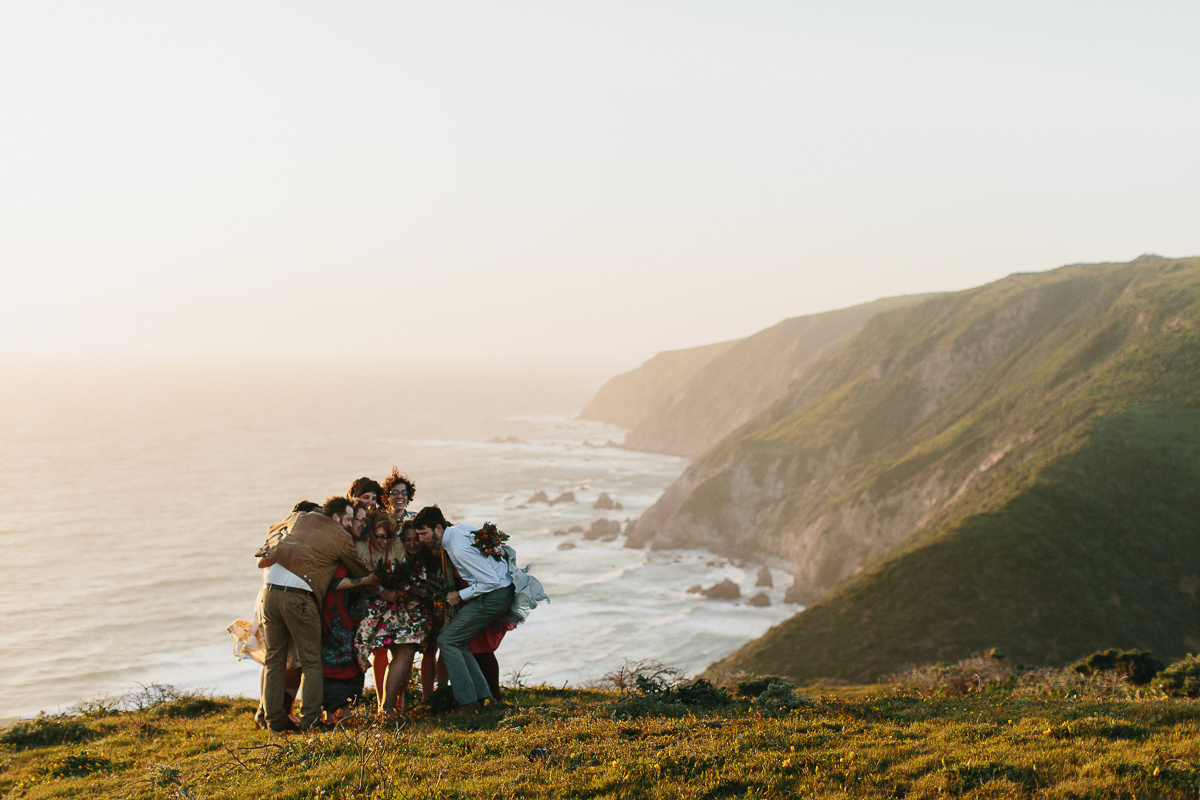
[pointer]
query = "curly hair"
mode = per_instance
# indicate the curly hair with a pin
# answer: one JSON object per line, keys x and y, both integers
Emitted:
{"x": 397, "y": 477}
{"x": 336, "y": 505}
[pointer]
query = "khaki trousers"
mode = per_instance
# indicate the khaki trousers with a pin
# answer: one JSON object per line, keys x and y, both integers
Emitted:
{"x": 292, "y": 617}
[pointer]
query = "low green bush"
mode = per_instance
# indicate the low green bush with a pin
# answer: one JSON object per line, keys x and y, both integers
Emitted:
{"x": 654, "y": 696}
{"x": 78, "y": 764}
{"x": 779, "y": 698}
{"x": 1136, "y": 666}
{"x": 46, "y": 731}
{"x": 1181, "y": 679}
{"x": 702, "y": 694}
{"x": 753, "y": 687}
{"x": 189, "y": 706}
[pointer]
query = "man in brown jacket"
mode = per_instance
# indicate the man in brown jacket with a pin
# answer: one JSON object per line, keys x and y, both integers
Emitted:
{"x": 301, "y": 558}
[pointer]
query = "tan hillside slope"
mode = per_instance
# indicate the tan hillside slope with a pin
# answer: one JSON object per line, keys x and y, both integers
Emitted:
{"x": 923, "y": 415}
{"x": 683, "y": 402}
{"x": 628, "y": 398}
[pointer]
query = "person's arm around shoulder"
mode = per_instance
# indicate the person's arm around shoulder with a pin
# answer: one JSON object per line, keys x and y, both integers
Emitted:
{"x": 349, "y": 557}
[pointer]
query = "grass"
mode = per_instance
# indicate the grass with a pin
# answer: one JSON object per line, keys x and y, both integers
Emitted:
{"x": 854, "y": 742}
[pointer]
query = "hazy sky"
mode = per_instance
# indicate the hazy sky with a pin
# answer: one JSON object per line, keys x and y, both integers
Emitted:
{"x": 549, "y": 179}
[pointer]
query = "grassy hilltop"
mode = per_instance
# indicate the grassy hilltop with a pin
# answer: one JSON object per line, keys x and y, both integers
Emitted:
{"x": 1053, "y": 737}
{"x": 1011, "y": 466}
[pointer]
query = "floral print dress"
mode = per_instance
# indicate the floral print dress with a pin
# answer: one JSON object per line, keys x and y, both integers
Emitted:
{"x": 407, "y": 621}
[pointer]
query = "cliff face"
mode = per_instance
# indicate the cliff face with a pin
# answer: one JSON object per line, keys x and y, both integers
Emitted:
{"x": 685, "y": 401}
{"x": 927, "y": 415}
{"x": 1090, "y": 544}
{"x": 630, "y": 397}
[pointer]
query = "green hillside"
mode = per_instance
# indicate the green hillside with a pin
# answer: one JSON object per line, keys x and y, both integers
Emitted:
{"x": 1009, "y": 466}
{"x": 683, "y": 402}
{"x": 1086, "y": 535}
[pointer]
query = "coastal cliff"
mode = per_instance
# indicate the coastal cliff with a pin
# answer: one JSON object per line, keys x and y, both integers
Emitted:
{"x": 1025, "y": 401}
{"x": 627, "y": 399}
{"x": 683, "y": 402}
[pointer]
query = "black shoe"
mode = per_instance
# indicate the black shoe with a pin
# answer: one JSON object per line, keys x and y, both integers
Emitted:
{"x": 287, "y": 727}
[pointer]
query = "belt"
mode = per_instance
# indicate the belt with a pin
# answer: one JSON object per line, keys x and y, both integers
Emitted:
{"x": 275, "y": 587}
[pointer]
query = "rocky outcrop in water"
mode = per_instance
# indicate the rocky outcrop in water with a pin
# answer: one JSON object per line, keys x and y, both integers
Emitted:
{"x": 725, "y": 590}
{"x": 603, "y": 529}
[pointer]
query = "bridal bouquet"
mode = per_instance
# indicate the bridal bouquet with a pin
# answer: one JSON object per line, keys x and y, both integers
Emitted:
{"x": 490, "y": 540}
{"x": 395, "y": 576}
{"x": 437, "y": 587}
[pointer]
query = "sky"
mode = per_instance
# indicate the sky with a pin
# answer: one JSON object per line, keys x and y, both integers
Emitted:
{"x": 549, "y": 181}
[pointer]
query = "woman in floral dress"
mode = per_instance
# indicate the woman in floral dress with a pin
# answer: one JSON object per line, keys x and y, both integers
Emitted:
{"x": 399, "y": 620}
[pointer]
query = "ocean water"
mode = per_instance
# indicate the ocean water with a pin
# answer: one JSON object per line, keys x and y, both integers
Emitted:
{"x": 132, "y": 499}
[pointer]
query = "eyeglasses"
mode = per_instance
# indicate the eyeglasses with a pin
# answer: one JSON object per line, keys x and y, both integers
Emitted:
{"x": 398, "y": 493}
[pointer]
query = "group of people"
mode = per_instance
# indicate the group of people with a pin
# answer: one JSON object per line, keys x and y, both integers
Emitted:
{"x": 361, "y": 583}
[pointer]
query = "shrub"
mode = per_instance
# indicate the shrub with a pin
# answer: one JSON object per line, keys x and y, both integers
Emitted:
{"x": 753, "y": 687}
{"x": 1048, "y": 682}
{"x": 164, "y": 775}
{"x": 639, "y": 705}
{"x": 99, "y": 708}
{"x": 702, "y": 694}
{"x": 151, "y": 696}
{"x": 1136, "y": 666}
{"x": 780, "y": 697}
{"x": 1181, "y": 679}
{"x": 625, "y": 679}
{"x": 190, "y": 706}
{"x": 975, "y": 674}
{"x": 43, "y": 731}
{"x": 653, "y": 695}
{"x": 78, "y": 764}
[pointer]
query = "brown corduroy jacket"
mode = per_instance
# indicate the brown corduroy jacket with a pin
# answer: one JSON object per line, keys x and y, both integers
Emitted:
{"x": 311, "y": 546}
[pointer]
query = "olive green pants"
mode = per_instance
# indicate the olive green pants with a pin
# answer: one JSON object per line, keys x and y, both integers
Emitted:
{"x": 466, "y": 679}
{"x": 292, "y": 617}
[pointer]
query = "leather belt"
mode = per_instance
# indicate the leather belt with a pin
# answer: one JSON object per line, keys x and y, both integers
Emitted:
{"x": 275, "y": 587}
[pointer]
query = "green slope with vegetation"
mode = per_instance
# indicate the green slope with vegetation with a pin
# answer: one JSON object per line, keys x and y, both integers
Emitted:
{"x": 1070, "y": 521}
{"x": 683, "y": 402}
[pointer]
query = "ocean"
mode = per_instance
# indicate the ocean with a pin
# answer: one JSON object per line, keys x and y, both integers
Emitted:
{"x": 132, "y": 498}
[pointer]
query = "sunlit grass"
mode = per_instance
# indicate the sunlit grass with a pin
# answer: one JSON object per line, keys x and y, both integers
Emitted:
{"x": 556, "y": 743}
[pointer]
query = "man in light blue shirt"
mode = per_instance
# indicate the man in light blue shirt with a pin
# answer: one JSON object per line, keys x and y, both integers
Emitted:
{"x": 488, "y": 596}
